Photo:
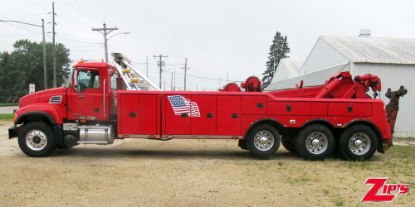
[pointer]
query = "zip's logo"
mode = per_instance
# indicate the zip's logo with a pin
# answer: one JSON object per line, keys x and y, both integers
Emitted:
{"x": 383, "y": 192}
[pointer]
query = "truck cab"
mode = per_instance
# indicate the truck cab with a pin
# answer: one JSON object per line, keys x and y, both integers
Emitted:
{"x": 79, "y": 112}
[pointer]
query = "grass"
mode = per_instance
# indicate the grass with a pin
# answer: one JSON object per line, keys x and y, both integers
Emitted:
{"x": 9, "y": 104}
{"x": 402, "y": 152}
{"x": 338, "y": 201}
{"x": 6, "y": 116}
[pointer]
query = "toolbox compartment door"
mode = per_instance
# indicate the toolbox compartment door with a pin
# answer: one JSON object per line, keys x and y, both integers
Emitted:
{"x": 350, "y": 109}
{"x": 254, "y": 105}
{"x": 205, "y": 123}
{"x": 229, "y": 115}
{"x": 289, "y": 108}
{"x": 128, "y": 105}
{"x": 176, "y": 114}
{"x": 148, "y": 114}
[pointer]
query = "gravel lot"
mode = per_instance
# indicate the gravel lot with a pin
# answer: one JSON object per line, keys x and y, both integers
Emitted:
{"x": 190, "y": 173}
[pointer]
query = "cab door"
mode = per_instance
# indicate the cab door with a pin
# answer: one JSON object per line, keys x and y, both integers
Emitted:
{"x": 86, "y": 97}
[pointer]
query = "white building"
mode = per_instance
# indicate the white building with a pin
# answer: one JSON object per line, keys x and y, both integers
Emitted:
{"x": 287, "y": 68}
{"x": 392, "y": 59}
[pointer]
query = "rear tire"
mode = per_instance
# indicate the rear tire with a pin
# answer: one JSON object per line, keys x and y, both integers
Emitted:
{"x": 315, "y": 142}
{"x": 36, "y": 139}
{"x": 263, "y": 141}
{"x": 358, "y": 142}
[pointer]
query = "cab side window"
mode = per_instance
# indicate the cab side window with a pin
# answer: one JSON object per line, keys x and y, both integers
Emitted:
{"x": 114, "y": 77}
{"x": 87, "y": 79}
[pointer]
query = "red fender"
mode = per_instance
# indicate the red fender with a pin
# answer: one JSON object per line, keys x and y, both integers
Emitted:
{"x": 50, "y": 112}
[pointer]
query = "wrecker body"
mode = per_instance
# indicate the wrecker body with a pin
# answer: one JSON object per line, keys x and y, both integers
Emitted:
{"x": 102, "y": 102}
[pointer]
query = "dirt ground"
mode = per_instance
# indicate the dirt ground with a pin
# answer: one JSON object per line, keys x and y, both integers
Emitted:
{"x": 191, "y": 173}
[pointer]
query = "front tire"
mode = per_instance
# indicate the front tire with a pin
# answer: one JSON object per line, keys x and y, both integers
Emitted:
{"x": 36, "y": 139}
{"x": 358, "y": 142}
{"x": 315, "y": 142}
{"x": 263, "y": 141}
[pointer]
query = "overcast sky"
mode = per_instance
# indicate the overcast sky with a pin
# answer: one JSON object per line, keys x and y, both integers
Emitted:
{"x": 219, "y": 37}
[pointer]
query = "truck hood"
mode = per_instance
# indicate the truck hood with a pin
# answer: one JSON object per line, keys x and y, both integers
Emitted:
{"x": 43, "y": 96}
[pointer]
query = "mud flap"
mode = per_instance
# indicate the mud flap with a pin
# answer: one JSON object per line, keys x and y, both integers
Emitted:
{"x": 13, "y": 132}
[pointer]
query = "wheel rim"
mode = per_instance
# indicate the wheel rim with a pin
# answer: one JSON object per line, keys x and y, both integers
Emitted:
{"x": 264, "y": 140}
{"x": 359, "y": 143}
{"x": 36, "y": 140}
{"x": 316, "y": 143}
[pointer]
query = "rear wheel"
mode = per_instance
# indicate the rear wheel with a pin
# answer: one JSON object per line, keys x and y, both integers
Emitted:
{"x": 315, "y": 142}
{"x": 36, "y": 139}
{"x": 263, "y": 141}
{"x": 358, "y": 142}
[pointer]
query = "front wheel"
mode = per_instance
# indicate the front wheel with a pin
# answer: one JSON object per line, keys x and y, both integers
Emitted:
{"x": 36, "y": 139}
{"x": 358, "y": 142}
{"x": 263, "y": 141}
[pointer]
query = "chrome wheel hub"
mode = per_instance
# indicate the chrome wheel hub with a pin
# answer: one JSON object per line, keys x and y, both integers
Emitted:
{"x": 359, "y": 143}
{"x": 264, "y": 140}
{"x": 316, "y": 143}
{"x": 36, "y": 140}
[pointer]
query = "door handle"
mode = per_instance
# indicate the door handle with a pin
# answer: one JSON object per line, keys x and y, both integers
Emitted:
{"x": 132, "y": 114}
{"x": 81, "y": 96}
{"x": 96, "y": 110}
{"x": 209, "y": 115}
{"x": 235, "y": 115}
{"x": 350, "y": 109}
{"x": 184, "y": 115}
{"x": 288, "y": 108}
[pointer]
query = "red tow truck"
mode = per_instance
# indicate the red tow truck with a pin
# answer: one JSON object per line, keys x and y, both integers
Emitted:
{"x": 102, "y": 102}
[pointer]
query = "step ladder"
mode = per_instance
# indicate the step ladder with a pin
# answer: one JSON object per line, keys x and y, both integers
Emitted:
{"x": 133, "y": 79}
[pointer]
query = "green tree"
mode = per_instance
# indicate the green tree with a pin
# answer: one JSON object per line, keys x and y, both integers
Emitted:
{"x": 24, "y": 65}
{"x": 278, "y": 50}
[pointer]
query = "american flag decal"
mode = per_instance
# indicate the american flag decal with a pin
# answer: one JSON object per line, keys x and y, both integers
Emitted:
{"x": 182, "y": 105}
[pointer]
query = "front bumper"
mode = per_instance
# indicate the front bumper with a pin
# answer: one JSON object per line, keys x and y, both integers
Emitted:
{"x": 13, "y": 132}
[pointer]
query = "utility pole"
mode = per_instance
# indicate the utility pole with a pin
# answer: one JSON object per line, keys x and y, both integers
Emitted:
{"x": 219, "y": 82}
{"x": 53, "y": 45}
{"x": 185, "y": 73}
{"x": 160, "y": 64}
{"x": 147, "y": 66}
{"x": 171, "y": 82}
{"x": 45, "y": 70}
{"x": 174, "y": 78}
{"x": 105, "y": 31}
